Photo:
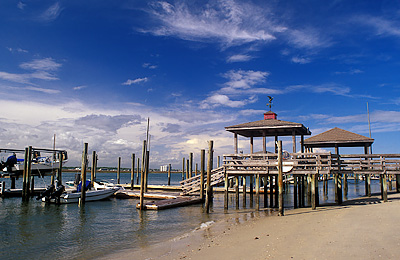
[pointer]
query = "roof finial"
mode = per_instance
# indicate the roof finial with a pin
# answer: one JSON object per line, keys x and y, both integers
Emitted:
{"x": 270, "y": 103}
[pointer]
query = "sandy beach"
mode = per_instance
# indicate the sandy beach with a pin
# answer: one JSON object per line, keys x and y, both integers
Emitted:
{"x": 363, "y": 228}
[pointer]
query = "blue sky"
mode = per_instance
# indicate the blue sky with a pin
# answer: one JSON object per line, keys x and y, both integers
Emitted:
{"x": 94, "y": 71}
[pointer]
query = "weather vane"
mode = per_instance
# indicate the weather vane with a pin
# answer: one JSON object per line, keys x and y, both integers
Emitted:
{"x": 270, "y": 103}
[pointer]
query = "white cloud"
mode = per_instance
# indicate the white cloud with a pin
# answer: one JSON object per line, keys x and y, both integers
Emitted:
{"x": 17, "y": 50}
{"x": 349, "y": 72}
{"x": 239, "y": 58}
{"x": 21, "y": 5}
{"x": 46, "y": 64}
{"x": 380, "y": 25}
{"x": 135, "y": 81}
{"x": 51, "y": 13}
{"x": 229, "y": 22}
{"x": 79, "y": 87}
{"x": 300, "y": 60}
{"x": 308, "y": 38}
{"x": 43, "y": 69}
{"x": 149, "y": 66}
{"x": 43, "y": 90}
{"x": 240, "y": 79}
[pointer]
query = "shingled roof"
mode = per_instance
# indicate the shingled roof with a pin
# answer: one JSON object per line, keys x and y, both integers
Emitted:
{"x": 269, "y": 127}
{"x": 338, "y": 137}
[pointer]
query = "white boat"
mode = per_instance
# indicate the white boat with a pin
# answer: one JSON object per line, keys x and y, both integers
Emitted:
{"x": 90, "y": 195}
{"x": 39, "y": 165}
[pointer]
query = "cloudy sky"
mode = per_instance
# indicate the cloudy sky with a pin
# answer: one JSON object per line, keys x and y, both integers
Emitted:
{"x": 94, "y": 71}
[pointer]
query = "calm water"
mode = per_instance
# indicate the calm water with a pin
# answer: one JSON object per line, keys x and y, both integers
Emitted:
{"x": 36, "y": 230}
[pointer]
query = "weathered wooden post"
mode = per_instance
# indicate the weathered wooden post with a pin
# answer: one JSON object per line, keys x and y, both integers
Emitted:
{"x": 280, "y": 178}
{"x": 93, "y": 169}
{"x": 24, "y": 177}
{"x": 132, "y": 171}
{"x": 244, "y": 191}
{"x": 187, "y": 169}
{"x": 251, "y": 190}
{"x": 295, "y": 190}
{"x": 137, "y": 171}
{"x": 384, "y": 182}
{"x": 271, "y": 190}
{"x": 383, "y": 186}
{"x": 59, "y": 171}
{"x": 26, "y": 174}
{"x": 226, "y": 195}
{"x": 257, "y": 191}
{"x": 346, "y": 186}
{"x": 313, "y": 191}
{"x": 209, "y": 168}
{"x": 146, "y": 180}
{"x": 183, "y": 168}
{"x": 169, "y": 174}
{"x": 119, "y": 171}
{"x": 202, "y": 171}
{"x": 83, "y": 174}
{"x": 142, "y": 178}
{"x": 190, "y": 165}
{"x": 265, "y": 190}
{"x": 237, "y": 191}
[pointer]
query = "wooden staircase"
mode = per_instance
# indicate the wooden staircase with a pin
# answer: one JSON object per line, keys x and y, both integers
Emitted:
{"x": 192, "y": 185}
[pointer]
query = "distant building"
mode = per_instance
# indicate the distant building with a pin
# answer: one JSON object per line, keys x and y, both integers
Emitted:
{"x": 164, "y": 168}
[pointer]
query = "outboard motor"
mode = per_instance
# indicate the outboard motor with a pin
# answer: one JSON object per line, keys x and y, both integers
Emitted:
{"x": 47, "y": 192}
{"x": 57, "y": 193}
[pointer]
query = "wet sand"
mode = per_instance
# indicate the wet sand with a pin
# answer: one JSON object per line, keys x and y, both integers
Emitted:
{"x": 364, "y": 228}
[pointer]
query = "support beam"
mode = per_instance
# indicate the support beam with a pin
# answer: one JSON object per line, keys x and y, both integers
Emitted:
{"x": 235, "y": 142}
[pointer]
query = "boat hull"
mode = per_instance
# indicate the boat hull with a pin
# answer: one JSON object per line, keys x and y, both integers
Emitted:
{"x": 91, "y": 195}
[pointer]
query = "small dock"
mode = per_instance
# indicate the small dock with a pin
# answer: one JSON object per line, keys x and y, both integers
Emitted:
{"x": 171, "y": 203}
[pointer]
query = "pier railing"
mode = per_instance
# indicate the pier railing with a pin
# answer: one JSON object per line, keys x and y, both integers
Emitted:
{"x": 312, "y": 163}
{"x": 297, "y": 164}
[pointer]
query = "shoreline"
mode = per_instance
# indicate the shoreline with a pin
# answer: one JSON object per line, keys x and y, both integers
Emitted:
{"x": 361, "y": 228}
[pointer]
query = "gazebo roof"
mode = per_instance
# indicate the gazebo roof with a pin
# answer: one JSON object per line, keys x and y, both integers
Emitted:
{"x": 268, "y": 127}
{"x": 338, "y": 137}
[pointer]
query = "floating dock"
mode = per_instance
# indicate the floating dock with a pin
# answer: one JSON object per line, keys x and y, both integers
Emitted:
{"x": 171, "y": 203}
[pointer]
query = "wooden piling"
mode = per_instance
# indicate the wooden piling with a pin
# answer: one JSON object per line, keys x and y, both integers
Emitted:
{"x": 59, "y": 171}
{"x": 313, "y": 192}
{"x": 187, "y": 169}
{"x": 146, "y": 179}
{"x": 346, "y": 186}
{"x": 368, "y": 184}
{"x": 169, "y": 174}
{"x": 251, "y": 187}
{"x": 271, "y": 190}
{"x": 202, "y": 171}
{"x": 209, "y": 168}
{"x": 183, "y": 168}
{"x": 142, "y": 178}
{"x": 295, "y": 184}
{"x": 143, "y": 168}
{"x": 93, "y": 169}
{"x": 137, "y": 171}
{"x": 24, "y": 177}
{"x": 384, "y": 191}
{"x": 132, "y": 170}
{"x": 280, "y": 178}
{"x": 190, "y": 165}
{"x": 226, "y": 194}
{"x": 83, "y": 174}
{"x": 257, "y": 191}
{"x": 237, "y": 191}
{"x": 119, "y": 171}
{"x": 244, "y": 191}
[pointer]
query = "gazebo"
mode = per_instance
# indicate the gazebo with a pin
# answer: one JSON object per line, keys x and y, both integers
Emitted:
{"x": 336, "y": 138}
{"x": 268, "y": 127}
